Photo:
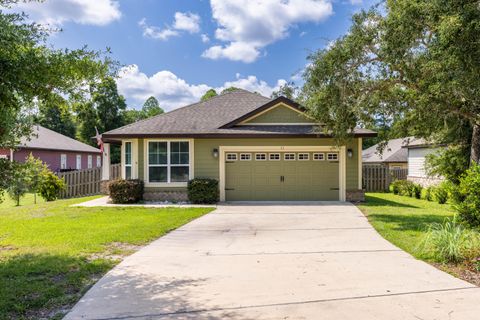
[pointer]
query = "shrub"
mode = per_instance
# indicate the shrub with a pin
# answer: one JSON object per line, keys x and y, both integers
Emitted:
{"x": 50, "y": 185}
{"x": 126, "y": 191}
{"x": 467, "y": 197}
{"x": 441, "y": 193}
{"x": 451, "y": 242}
{"x": 402, "y": 187}
{"x": 416, "y": 190}
{"x": 428, "y": 193}
{"x": 19, "y": 183}
{"x": 203, "y": 191}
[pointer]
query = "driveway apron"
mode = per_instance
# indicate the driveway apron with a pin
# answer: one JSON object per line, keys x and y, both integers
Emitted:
{"x": 277, "y": 261}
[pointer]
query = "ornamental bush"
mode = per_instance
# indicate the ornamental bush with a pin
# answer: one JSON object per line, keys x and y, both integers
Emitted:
{"x": 441, "y": 193}
{"x": 50, "y": 185}
{"x": 467, "y": 197}
{"x": 403, "y": 188}
{"x": 126, "y": 191}
{"x": 203, "y": 190}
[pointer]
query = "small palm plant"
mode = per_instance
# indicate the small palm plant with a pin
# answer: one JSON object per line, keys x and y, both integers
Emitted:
{"x": 451, "y": 242}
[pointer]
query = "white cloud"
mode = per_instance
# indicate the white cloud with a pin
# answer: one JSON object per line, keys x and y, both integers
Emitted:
{"x": 173, "y": 92}
{"x": 205, "y": 38}
{"x": 187, "y": 21}
{"x": 248, "y": 26}
{"x": 155, "y": 32}
{"x": 236, "y": 51}
{"x": 356, "y": 2}
{"x": 58, "y": 12}
{"x": 183, "y": 22}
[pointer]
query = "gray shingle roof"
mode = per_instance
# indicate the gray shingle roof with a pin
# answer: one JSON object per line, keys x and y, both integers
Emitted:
{"x": 43, "y": 138}
{"x": 394, "y": 151}
{"x": 207, "y": 118}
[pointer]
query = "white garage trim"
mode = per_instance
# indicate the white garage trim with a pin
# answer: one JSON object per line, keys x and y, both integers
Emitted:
{"x": 342, "y": 161}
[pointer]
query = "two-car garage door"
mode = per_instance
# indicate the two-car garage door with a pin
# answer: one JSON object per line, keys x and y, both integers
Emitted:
{"x": 281, "y": 176}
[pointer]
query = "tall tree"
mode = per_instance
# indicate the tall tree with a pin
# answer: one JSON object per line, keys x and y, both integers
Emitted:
{"x": 209, "y": 94}
{"x": 229, "y": 89}
{"x": 414, "y": 61}
{"x": 55, "y": 114}
{"x": 151, "y": 108}
{"x": 287, "y": 90}
{"x": 103, "y": 109}
{"x": 31, "y": 71}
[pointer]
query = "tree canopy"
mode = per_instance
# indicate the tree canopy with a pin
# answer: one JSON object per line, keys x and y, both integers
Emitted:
{"x": 412, "y": 63}
{"x": 209, "y": 94}
{"x": 31, "y": 72}
{"x": 287, "y": 90}
{"x": 56, "y": 114}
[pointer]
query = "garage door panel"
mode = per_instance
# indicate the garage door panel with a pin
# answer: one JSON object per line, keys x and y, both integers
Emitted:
{"x": 262, "y": 180}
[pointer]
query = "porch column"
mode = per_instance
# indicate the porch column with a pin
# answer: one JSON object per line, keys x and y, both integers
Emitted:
{"x": 106, "y": 162}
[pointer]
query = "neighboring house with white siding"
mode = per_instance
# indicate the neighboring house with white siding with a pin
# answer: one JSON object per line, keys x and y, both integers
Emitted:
{"x": 418, "y": 150}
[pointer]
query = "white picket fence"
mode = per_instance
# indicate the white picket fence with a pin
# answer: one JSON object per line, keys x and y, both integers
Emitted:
{"x": 86, "y": 182}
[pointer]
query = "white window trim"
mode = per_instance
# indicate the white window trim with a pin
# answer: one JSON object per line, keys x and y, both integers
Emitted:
{"x": 261, "y": 154}
{"x": 319, "y": 153}
{"x": 289, "y": 154}
{"x": 168, "y": 184}
{"x": 89, "y": 161}
{"x": 232, "y": 154}
{"x": 342, "y": 182}
{"x": 63, "y": 165}
{"x": 99, "y": 161}
{"x": 78, "y": 165}
{"x": 279, "y": 156}
{"x": 332, "y": 153}
{"x": 303, "y": 153}
{"x": 245, "y": 154}
{"x": 134, "y": 156}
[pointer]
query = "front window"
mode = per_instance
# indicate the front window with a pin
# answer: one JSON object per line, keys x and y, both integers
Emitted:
{"x": 128, "y": 160}
{"x": 79, "y": 162}
{"x": 99, "y": 161}
{"x": 90, "y": 162}
{"x": 63, "y": 161}
{"x": 168, "y": 161}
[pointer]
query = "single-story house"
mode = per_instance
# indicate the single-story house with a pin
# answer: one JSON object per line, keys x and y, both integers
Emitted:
{"x": 59, "y": 152}
{"x": 258, "y": 149}
{"x": 417, "y": 151}
{"x": 394, "y": 156}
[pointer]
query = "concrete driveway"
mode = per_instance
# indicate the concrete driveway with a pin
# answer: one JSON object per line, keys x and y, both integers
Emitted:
{"x": 320, "y": 261}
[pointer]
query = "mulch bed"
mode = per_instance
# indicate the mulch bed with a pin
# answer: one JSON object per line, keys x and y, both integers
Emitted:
{"x": 467, "y": 271}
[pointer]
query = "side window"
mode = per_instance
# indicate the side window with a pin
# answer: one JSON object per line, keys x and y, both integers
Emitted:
{"x": 63, "y": 161}
{"x": 231, "y": 157}
{"x": 303, "y": 156}
{"x": 90, "y": 161}
{"x": 260, "y": 156}
{"x": 99, "y": 161}
{"x": 79, "y": 162}
{"x": 318, "y": 156}
{"x": 245, "y": 156}
{"x": 274, "y": 156}
{"x": 332, "y": 156}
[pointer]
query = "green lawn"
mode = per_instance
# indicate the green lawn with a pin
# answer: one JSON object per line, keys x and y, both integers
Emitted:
{"x": 403, "y": 220}
{"x": 24, "y": 201}
{"x": 51, "y": 253}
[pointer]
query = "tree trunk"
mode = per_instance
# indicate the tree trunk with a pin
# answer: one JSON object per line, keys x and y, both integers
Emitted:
{"x": 475, "y": 149}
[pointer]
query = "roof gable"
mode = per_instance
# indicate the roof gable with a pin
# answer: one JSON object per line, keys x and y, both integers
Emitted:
{"x": 272, "y": 104}
{"x": 279, "y": 114}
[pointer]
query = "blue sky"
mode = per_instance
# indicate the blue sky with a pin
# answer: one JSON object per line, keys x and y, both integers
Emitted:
{"x": 178, "y": 49}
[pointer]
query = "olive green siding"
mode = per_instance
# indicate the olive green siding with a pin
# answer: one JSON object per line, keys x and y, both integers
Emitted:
{"x": 280, "y": 114}
{"x": 206, "y": 166}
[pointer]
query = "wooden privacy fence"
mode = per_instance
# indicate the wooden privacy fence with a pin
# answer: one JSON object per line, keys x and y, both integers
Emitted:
{"x": 379, "y": 177}
{"x": 86, "y": 182}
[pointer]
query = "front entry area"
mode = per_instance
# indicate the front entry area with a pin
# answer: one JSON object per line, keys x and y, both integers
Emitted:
{"x": 281, "y": 176}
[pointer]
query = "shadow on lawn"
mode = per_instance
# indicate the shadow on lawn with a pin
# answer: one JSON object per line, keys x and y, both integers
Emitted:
{"x": 37, "y": 286}
{"x": 417, "y": 222}
{"x": 372, "y": 201}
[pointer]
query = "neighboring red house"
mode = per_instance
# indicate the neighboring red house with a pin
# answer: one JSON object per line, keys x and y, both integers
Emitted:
{"x": 59, "y": 152}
